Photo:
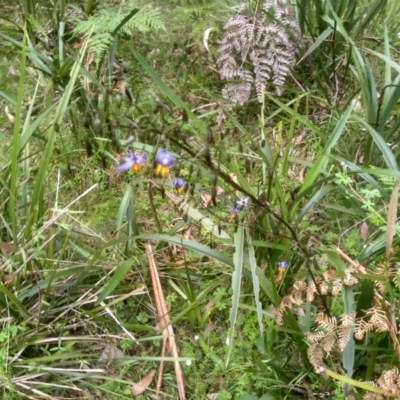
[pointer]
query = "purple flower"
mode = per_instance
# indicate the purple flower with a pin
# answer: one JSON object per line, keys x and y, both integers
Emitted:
{"x": 234, "y": 212}
{"x": 239, "y": 205}
{"x": 135, "y": 162}
{"x": 164, "y": 160}
{"x": 282, "y": 264}
{"x": 242, "y": 204}
{"x": 179, "y": 185}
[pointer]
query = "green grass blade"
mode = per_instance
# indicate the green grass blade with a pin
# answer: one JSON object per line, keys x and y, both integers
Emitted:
{"x": 349, "y": 350}
{"x": 14, "y": 301}
{"x": 194, "y": 246}
{"x": 388, "y": 156}
{"x": 256, "y": 282}
{"x": 236, "y": 283}
{"x": 115, "y": 280}
{"x": 15, "y": 147}
{"x": 391, "y": 220}
{"x": 45, "y": 161}
{"x": 169, "y": 93}
{"x": 320, "y": 164}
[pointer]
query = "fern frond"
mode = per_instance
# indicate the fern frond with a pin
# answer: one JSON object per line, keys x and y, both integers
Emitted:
{"x": 316, "y": 356}
{"x": 389, "y": 382}
{"x": 314, "y": 337}
{"x": 99, "y": 45}
{"x": 329, "y": 323}
{"x": 348, "y": 279}
{"x": 378, "y": 319}
{"x": 102, "y": 25}
{"x": 267, "y": 41}
{"x": 372, "y": 396}
{"x": 362, "y": 327}
{"x": 337, "y": 285}
{"x": 328, "y": 342}
{"x": 348, "y": 319}
{"x": 344, "y": 334}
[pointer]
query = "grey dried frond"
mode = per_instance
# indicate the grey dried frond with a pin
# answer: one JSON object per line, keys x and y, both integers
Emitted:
{"x": 266, "y": 42}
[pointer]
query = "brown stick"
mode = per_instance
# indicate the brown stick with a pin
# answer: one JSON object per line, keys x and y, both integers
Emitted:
{"x": 165, "y": 320}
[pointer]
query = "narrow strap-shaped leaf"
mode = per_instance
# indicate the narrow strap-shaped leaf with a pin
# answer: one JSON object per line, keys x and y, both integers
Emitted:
{"x": 236, "y": 282}
{"x": 391, "y": 219}
{"x": 115, "y": 280}
{"x": 254, "y": 278}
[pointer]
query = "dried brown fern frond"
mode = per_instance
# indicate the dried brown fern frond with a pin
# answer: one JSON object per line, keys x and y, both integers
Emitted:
{"x": 348, "y": 279}
{"x": 298, "y": 294}
{"x": 316, "y": 355}
{"x": 378, "y": 319}
{"x": 329, "y": 275}
{"x": 314, "y": 337}
{"x": 372, "y": 396}
{"x": 258, "y": 49}
{"x": 344, "y": 334}
{"x": 348, "y": 319}
{"x": 328, "y": 342}
{"x": 300, "y": 286}
{"x": 362, "y": 327}
{"x": 389, "y": 382}
{"x": 337, "y": 285}
{"x": 329, "y": 323}
{"x": 323, "y": 287}
{"x": 311, "y": 290}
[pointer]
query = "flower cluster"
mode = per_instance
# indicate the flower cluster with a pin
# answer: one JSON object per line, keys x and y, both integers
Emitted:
{"x": 164, "y": 160}
{"x": 239, "y": 205}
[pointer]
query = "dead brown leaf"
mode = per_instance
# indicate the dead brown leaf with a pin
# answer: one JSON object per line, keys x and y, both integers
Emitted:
{"x": 364, "y": 230}
{"x": 143, "y": 384}
{"x": 9, "y": 115}
{"x": 13, "y": 71}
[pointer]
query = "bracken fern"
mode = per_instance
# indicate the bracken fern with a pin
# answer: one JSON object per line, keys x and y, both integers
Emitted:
{"x": 107, "y": 21}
